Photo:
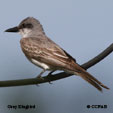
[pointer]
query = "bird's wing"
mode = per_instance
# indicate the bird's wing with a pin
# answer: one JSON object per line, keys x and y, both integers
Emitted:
{"x": 46, "y": 51}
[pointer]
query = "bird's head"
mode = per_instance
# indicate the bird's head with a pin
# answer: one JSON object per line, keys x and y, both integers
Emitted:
{"x": 29, "y": 26}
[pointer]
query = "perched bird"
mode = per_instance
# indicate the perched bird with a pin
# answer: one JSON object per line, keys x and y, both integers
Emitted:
{"x": 43, "y": 52}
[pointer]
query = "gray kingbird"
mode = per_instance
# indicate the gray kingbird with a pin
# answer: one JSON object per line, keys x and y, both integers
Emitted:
{"x": 43, "y": 52}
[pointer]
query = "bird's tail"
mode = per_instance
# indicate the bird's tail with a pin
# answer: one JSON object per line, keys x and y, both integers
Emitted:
{"x": 90, "y": 79}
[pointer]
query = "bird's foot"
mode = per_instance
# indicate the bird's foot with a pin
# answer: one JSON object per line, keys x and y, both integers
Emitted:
{"x": 40, "y": 77}
{"x": 48, "y": 76}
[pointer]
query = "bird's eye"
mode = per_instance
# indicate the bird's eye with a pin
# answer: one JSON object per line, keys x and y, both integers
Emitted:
{"x": 29, "y": 25}
{"x": 23, "y": 25}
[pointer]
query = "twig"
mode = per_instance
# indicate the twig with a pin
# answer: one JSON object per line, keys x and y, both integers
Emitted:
{"x": 58, "y": 76}
{"x": 98, "y": 58}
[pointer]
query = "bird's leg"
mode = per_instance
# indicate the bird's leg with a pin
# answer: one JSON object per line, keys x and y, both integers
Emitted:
{"x": 39, "y": 76}
{"x": 49, "y": 75}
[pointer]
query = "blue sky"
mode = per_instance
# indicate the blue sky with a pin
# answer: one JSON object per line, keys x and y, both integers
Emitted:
{"x": 83, "y": 28}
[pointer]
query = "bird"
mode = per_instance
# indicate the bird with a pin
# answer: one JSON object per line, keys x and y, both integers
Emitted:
{"x": 46, "y": 54}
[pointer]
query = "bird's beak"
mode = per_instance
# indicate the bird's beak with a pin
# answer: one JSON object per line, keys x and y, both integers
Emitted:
{"x": 14, "y": 29}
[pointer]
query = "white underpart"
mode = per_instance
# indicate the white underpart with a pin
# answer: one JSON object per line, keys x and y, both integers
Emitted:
{"x": 40, "y": 64}
{"x": 25, "y": 32}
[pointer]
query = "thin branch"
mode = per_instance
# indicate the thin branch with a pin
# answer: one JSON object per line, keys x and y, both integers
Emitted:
{"x": 98, "y": 58}
{"x": 58, "y": 76}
